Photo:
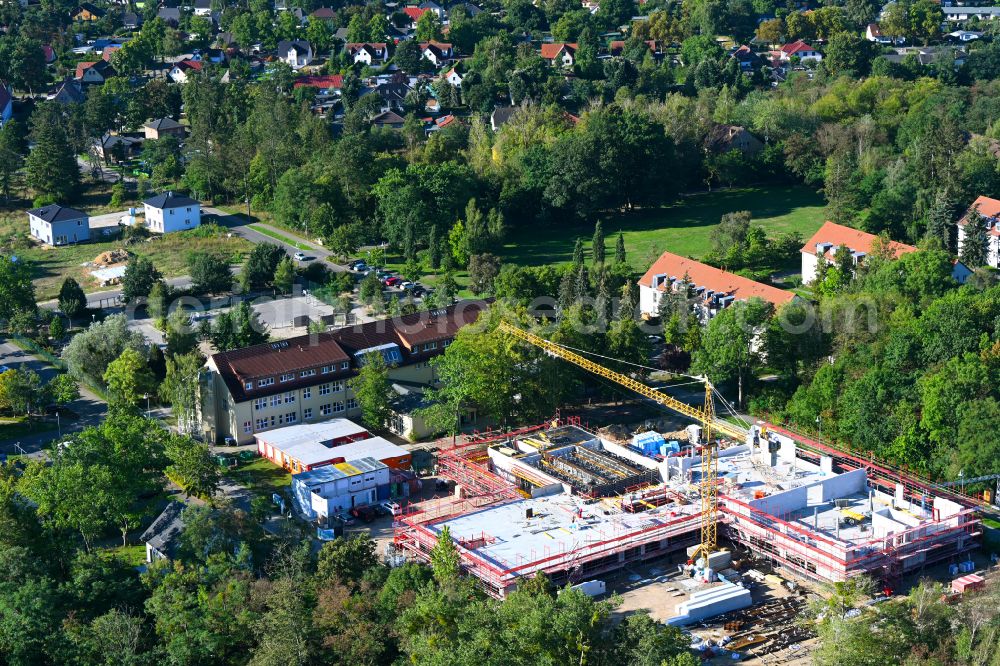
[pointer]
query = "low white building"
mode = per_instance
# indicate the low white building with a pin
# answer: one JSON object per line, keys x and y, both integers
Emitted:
{"x": 711, "y": 289}
{"x": 826, "y": 243}
{"x": 59, "y": 225}
{"x": 169, "y": 212}
{"x": 326, "y": 491}
{"x": 368, "y": 52}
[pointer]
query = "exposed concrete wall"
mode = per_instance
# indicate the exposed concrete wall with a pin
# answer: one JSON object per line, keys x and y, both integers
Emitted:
{"x": 629, "y": 454}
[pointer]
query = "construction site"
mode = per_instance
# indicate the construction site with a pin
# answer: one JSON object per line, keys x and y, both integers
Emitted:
{"x": 718, "y": 502}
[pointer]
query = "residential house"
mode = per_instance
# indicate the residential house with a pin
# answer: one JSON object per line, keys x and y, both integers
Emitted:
{"x": 161, "y": 127}
{"x": 170, "y": 15}
{"x": 161, "y": 537}
{"x": 431, "y": 6}
{"x": 180, "y": 72}
{"x": 169, "y": 212}
{"x": 59, "y": 225}
{"x": 438, "y": 53}
{"x": 959, "y": 14}
{"x": 799, "y": 49}
{"x": 988, "y": 211}
{"x": 392, "y": 93}
{"x": 325, "y": 85}
{"x": 873, "y": 33}
{"x": 305, "y": 379}
{"x": 710, "y": 289}
{"x": 94, "y": 72}
{"x": 389, "y": 119}
{"x": 414, "y": 14}
{"x": 471, "y": 10}
{"x": 48, "y": 53}
{"x": 131, "y": 21}
{"x": 109, "y": 51}
{"x": 115, "y": 148}
{"x": 746, "y": 58}
{"x": 87, "y": 12}
{"x": 617, "y": 47}
{"x": 368, "y": 52}
{"x": 826, "y": 243}
{"x": 68, "y": 92}
{"x": 454, "y": 77}
{"x": 965, "y": 35}
{"x": 724, "y": 138}
{"x": 297, "y": 53}
{"x": 6, "y": 105}
{"x": 324, "y": 14}
{"x": 202, "y": 7}
{"x": 559, "y": 54}
{"x": 500, "y": 116}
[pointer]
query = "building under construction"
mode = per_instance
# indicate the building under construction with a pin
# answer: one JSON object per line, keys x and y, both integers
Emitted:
{"x": 565, "y": 501}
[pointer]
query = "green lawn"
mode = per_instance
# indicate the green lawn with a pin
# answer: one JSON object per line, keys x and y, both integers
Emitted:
{"x": 168, "y": 253}
{"x": 683, "y": 227}
{"x": 133, "y": 556}
{"x": 12, "y": 428}
{"x": 261, "y": 476}
{"x": 261, "y": 229}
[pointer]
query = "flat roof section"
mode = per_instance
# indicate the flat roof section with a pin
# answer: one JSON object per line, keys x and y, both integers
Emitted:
{"x": 506, "y": 537}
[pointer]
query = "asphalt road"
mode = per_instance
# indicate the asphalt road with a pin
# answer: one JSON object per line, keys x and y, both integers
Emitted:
{"x": 88, "y": 409}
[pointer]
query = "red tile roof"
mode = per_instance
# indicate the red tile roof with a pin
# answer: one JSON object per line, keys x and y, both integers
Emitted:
{"x": 718, "y": 280}
{"x": 414, "y": 12}
{"x": 796, "y": 47}
{"x": 550, "y": 51}
{"x": 859, "y": 241}
{"x": 331, "y": 81}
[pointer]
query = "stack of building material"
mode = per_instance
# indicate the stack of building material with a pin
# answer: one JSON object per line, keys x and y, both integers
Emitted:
{"x": 711, "y": 601}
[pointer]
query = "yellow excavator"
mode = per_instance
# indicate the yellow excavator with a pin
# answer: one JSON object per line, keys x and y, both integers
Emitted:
{"x": 708, "y": 488}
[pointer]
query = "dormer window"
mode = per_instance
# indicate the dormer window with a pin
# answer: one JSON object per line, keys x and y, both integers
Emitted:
{"x": 267, "y": 381}
{"x": 248, "y": 385}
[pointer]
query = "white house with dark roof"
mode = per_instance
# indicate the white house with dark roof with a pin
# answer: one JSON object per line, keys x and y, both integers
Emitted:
{"x": 368, "y": 52}
{"x": 169, "y": 212}
{"x": 59, "y": 225}
{"x": 297, "y": 53}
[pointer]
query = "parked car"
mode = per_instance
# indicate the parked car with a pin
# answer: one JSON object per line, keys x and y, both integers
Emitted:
{"x": 392, "y": 508}
{"x": 407, "y": 285}
{"x": 393, "y": 281}
{"x": 418, "y": 290}
{"x": 365, "y": 513}
{"x": 4, "y": 368}
{"x": 299, "y": 256}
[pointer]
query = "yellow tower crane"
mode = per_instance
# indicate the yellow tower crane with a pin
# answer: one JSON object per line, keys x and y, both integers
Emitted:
{"x": 708, "y": 487}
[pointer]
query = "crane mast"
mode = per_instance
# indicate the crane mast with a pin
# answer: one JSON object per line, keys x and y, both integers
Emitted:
{"x": 708, "y": 487}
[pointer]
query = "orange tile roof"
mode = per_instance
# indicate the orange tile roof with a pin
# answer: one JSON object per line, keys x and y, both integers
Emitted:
{"x": 329, "y": 81}
{"x": 858, "y": 241}
{"x": 550, "y": 51}
{"x": 987, "y": 208}
{"x": 81, "y": 67}
{"x": 716, "y": 279}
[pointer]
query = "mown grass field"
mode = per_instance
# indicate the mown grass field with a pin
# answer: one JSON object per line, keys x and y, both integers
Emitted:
{"x": 169, "y": 253}
{"x": 261, "y": 476}
{"x": 683, "y": 227}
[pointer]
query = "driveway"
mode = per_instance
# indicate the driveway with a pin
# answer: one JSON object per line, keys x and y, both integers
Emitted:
{"x": 88, "y": 409}
{"x": 239, "y": 226}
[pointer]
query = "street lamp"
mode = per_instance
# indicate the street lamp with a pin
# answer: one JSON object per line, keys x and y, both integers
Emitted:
{"x": 146, "y": 396}
{"x": 58, "y": 424}
{"x": 819, "y": 420}
{"x": 961, "y": 479}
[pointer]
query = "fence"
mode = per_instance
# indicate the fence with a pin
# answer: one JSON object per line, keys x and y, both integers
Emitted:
{"x": 33, "y": 348}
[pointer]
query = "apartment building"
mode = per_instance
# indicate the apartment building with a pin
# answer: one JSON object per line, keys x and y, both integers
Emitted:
{"x": 306, "y": 378}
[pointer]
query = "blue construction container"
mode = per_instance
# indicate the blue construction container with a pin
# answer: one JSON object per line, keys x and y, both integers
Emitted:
{"x": 650, "y": 443}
